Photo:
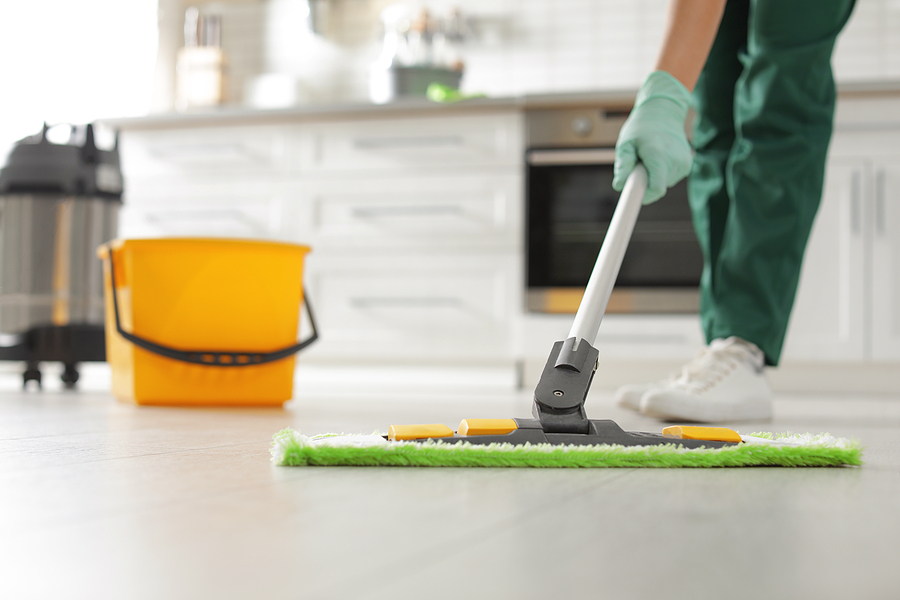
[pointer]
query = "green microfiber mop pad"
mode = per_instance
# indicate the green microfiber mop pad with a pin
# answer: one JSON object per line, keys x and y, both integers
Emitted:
{"x": 290, "y": 448}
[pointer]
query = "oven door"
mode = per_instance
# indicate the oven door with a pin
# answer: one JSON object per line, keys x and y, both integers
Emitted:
{"x": 570, "y": 204}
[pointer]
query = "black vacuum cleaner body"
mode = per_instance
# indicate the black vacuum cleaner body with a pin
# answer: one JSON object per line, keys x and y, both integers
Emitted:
{"x": 59, "y": 202}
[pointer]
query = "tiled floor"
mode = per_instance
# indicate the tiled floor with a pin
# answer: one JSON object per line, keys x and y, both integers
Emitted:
{"x": 105, "y": 500}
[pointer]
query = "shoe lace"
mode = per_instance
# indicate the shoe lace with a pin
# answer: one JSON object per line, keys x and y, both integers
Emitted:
{"x": 711, "y": 365}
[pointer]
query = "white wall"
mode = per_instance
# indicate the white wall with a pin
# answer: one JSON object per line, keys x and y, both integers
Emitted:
{"x": 64, "y": 61}
{"x": 524, "y": 46}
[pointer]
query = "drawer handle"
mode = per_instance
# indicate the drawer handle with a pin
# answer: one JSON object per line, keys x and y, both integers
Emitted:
{"x": 855, "y": 202}
{"x": 401, "y": 302}
{"x": 217, "y": 152}
{"x": 406, "y": 211}
{"x": 880, "y": 216}
{"x": 408, "y": 142}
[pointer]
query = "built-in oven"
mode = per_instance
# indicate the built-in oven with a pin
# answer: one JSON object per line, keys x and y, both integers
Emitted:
{"x": 570, "y": 201}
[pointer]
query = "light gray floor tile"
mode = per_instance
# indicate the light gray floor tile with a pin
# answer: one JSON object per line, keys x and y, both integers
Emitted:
{"x": 106, "y": 500}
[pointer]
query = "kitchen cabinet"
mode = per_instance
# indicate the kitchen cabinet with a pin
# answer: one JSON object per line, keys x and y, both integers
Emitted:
{"x": 220, "y": 181}
{"x": 454, "y": 208}
{"x": 885, "y": 301}
{"x": 416, "y": 228}
{"x": 415, "y": 307}
{"x": 217, "y": 149}
{"x": 829, "y": 319}
{"x": 848, "y": 302}
{"x": 415, "y": 220}
{"x": 245, "y": 206}
{"x": 403, "y": 143}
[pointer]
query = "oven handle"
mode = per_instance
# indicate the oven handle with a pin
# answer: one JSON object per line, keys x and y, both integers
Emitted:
{"x": 571, "y": 156}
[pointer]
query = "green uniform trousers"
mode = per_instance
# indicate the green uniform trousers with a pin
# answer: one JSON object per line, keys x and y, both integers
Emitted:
{"x": 765, "y": 109}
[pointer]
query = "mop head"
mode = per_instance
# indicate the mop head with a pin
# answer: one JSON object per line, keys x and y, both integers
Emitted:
{"x": 290, "y": 448}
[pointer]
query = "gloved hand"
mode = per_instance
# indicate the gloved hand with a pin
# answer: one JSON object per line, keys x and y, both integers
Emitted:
{"x": 654, "y": 135}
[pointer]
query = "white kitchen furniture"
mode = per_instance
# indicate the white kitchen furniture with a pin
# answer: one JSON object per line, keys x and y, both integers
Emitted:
{"x": 415, "y": 220}
{"x": 848, "y": 303}
{"x": 416, "y": 225}
{"x": 216, "y": 180}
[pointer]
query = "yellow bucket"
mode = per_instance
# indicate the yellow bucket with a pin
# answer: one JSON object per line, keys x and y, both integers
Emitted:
{"x": 203, "y": 321}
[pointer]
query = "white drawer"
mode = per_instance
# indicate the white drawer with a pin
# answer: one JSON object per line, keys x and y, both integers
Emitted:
{"x": 248, "y": 209}
{"x": 201, "y": 187}
{"x": 415, "y": 307}
{"x": 243, "y": 221}
{"x": 413, "y": 142}
{"x": 417, "y": 211}
{"x": 211, "y": 149}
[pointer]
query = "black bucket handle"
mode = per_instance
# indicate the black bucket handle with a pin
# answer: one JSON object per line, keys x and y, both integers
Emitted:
{"x": 216, "y": 358}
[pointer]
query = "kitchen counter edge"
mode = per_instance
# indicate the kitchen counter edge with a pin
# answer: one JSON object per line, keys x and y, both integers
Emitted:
{"x": 613, "y": 99}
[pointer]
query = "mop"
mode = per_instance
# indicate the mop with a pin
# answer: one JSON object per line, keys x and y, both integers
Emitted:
{"x": 560, "y": 434}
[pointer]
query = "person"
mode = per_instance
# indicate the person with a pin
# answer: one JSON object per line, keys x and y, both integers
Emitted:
{"x": 758, "y": 76}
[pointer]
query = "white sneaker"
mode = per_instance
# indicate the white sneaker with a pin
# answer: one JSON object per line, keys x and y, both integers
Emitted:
{"x": 724, "y": 383}
{"x": 629, "y": 396}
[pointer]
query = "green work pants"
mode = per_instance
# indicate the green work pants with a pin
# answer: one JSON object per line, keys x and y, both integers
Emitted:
{"x": 765, "y": 109}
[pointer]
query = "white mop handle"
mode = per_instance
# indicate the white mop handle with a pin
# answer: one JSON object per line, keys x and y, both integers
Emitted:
{"x": 612, "y": 251}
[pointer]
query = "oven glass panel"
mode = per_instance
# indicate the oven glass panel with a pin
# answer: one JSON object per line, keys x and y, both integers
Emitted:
{"x": 570, "y": 207}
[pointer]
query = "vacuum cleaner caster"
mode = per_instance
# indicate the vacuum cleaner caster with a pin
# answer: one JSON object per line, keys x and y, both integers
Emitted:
{"x": 69, "y": 376}
{"x": 32, "y": 373}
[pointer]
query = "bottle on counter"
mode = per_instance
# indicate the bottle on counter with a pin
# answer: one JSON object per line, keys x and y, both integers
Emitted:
{"x": 201, "y": 65}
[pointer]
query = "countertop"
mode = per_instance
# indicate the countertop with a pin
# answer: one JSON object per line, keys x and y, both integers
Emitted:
{"x": 237, "y": 113}
{"x": 613, "y": 98}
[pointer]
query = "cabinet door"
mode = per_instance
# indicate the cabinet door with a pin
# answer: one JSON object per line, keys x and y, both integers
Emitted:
{"x": 413, "y": 143}
{"x": 458, "y": 210}
{"x": 204, "y": 206}
{"x": 828, "y": 321}
{"x": 192, "y": 150}
{"x": 886, "y": 259}
{"x": 418, "y": 307}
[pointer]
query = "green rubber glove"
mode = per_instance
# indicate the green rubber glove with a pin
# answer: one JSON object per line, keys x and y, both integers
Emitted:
{"x": 654, "y": 135}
